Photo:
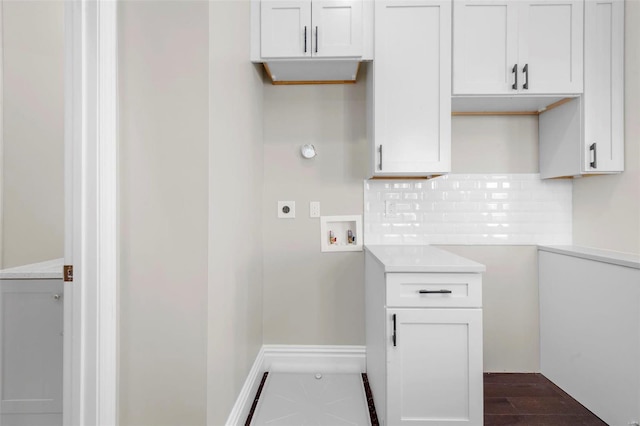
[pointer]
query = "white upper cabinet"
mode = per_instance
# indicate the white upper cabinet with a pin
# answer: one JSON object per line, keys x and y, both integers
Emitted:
{"x": 603, "y": 115}
{"x": 586, "y": 135}
{"x": 485, "y": 46}
{"x": 285, "y": 29}
{"x": 337, "y": 28}
{"x": 301, "y": 28}
{"x": 410, "y": 92}
{"x": 517, "y": 47}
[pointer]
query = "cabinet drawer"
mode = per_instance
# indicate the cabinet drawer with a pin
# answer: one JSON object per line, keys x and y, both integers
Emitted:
{"x": 434, "y": 290}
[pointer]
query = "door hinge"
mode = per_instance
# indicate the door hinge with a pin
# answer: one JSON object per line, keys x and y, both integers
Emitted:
{"x": 68, "y": 273}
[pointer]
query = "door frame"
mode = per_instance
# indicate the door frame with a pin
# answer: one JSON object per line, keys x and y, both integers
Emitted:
{"x": 90, "y": 302}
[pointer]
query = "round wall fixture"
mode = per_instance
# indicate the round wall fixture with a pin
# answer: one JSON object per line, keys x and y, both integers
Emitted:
{"x": 308, "y": 151}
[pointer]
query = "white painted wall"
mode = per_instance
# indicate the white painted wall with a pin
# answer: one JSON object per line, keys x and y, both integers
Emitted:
{"x": 33, "y": 134}
{"x": 312, "y": 297}
{"x": 606, "y": 209}
{"x": 235, "y": 206}
{"x": 164, "y": 174}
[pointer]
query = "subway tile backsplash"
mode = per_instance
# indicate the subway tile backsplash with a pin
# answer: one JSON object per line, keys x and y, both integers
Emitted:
{"x": 473, "y": 209}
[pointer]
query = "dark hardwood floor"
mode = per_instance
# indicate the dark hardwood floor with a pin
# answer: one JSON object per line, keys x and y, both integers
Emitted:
{"x": 531, "y": 399}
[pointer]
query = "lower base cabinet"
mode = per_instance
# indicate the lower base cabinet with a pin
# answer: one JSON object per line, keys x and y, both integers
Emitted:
{"x": 590, "y": 332}
{"x": 31, "y": 345}
{"x": 434, "y": 369}
{"x": 424, "y": 346}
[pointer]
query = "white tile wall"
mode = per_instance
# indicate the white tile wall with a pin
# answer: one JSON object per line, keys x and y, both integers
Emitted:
{"x": 474, "y": 209}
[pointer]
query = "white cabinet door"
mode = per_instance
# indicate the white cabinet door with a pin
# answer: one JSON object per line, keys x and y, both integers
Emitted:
{"x": 412, "y": 88}
{"x": 434, "y": 364}
{"x": 550, "y": 46}
{"x": 31, "y": 324}
{"x": 517, "y": 47}
{"x": 337, "y": 28}
{"x": 586, "y": 135}
{"x": 604, "y": 87}
{"x": 300, "y": 28}
{"x": 285, "y": 29}
{"x": 485, "y": 47}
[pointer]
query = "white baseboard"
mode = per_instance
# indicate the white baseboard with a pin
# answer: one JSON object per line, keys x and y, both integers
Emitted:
{"x": 241, "y": 408}
{"x": 314, "y": 359}
{"x": 295, "y": 359}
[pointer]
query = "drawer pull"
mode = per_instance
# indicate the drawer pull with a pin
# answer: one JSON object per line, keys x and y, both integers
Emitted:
{"x": 435, "y": 292}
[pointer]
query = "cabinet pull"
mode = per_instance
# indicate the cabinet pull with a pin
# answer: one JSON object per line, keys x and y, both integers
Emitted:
{"x": 525, "y": 70}
{"x": 435, "y": 292}
{"x": 380, "y": 159}
{"x": 316, "y": 39}
{"x": 305, "y": 39}
{"x": 594, "y": 163}
{"x": 393, "y": 337}
{"x": 514, "y": 70}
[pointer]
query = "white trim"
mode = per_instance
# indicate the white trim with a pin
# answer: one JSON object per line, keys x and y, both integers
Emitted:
{"x": 241, "y": 408}
{"x": 90, "y": 213}
{"x": 295, "y": 359}
{"x": 1, "y": 135}
{"x": 313, "y": 359}
{"x": 107, "y": 212}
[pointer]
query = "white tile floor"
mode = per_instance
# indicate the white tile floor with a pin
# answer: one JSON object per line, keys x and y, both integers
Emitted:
{"x": 312, "y": 399}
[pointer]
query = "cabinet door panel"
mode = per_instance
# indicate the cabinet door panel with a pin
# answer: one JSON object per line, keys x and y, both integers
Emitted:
{"x": 31, "y": 347}
{"x": 412, "y": 94}
{"x": 603, "y": 84}
{"x": 550, "y": 43}
{"x": 282, "y": 29}
{"x": 435, "y": 369}
{"x": 484, "y": 47}
{"x": 339, "y": 28}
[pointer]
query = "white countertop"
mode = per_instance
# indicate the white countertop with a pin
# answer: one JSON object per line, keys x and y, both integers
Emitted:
{"x": 50, "y": 269}
{"x": 421, "y": 258}
{"x": 599, "y": 255}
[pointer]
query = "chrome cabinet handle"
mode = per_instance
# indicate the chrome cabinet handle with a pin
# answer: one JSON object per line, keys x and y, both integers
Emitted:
{"x": 435, "y": 292}
{"x": 514, "y": 70}
{"x": 305, "y": 39}
{"x": 56, "y": 296}
{"x": 593, "y": 149}
{"x": 316, "y": 39}
{"x": 380, "y": 159}
{"x": 525, "y": 70}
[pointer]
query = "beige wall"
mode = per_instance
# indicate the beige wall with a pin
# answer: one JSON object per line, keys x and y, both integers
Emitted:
{"x": 510, "y": 306}
{"x": 510, "y": 285}
{"x": 33, "y": 135}
{"x": 163, "y": 143}
{"x": 606, "y": 209}
{"x": 317, "y": 298}
{"x": 494, "y": 144}
{"x": 235, "y": 204}
{"x": 312, "y": 297}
